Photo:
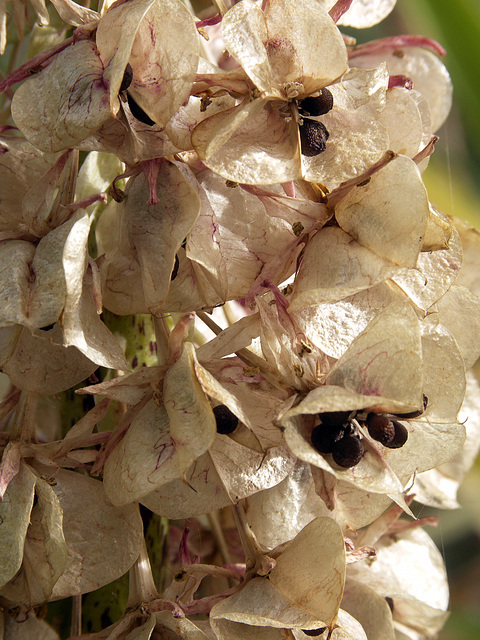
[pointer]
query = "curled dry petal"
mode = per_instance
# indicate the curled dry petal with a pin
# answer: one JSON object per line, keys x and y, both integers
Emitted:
{"x": 71, "y": 100}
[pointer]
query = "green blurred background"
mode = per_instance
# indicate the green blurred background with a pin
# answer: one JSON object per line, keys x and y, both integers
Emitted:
{"x": 453, "y": 182}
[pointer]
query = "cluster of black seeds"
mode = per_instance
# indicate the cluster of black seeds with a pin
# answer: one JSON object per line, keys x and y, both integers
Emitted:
{"x": 336, "y": 434}
{"x": 313, "y": 134}
{"x": 226, "y": 421}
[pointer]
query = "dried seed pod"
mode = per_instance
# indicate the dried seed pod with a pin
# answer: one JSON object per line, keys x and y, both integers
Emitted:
{"x": 380, "y": 428}
{"x": 314, "y": 632}
{"x": 313, "y": 137}
{"x": 348, "y": 451}
{"x": 227, "y": 421}
{"x": 400, "y": 437}
{"x": 319, "y": 105}
{"x": 138, "y": 112}
{"x": 324, "y": 437}
{"x": 127, "y": 78}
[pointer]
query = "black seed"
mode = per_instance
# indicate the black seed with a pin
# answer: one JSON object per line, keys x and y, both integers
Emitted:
{"x": 226, "y": 420}
{"x": 400, "y": 437}
{"x": 48, "y": 327}
{"x": 175, "y": 269}
{"x": 313, "y": 138}
{"x": 415, "y": 414}
{"x": 348, "y": 451}
{"x": 314, "y": 632}
{"x": 127, "y": 78}
{"x": 380, "y": 428}
{"x": 324, "y": 437}
{"x": 138, "y": 112}
{"x": 335, "y": 418}
{"x": 390, "y": 603}
{"x": 318, "y": 106}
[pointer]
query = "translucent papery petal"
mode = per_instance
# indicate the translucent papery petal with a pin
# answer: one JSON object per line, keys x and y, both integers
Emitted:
{"x": 74, "y": 13}
{"x": 370, "y": 609}
{"x": 439, "y": 487}
{"x": 147, "y": 239}
{"x": 14, "y": 274}
{"x": 433, "y": 274}
{"x": 244, "y": 234}
{"x": 385, "y": 359}
{"x": 355, "y": 143}
{"x": 469, "y": 275}
{"x": 15, "y": 510}
{"x": 21, "y": 166}
{"x": 130, "y": 388}
{"x": 82, "y": 327}
{"x": 96, "y": 174}
{"x": 443, "y": 375}
{"x": 41, "y": 364}
{"x": 335, "y": 266}
{"x": 237, "y": 631}
{"x": 71, "y": 100}
{"x": 264, "y": 149}
{"x": 363, "y": 13}
{"x": 363, "y": 91}
{"x": 245, "y": 33}
{"x": 389, "y": 214}
{"x": 163, "y": 67}
{"x": 464, "y": 327}
{"x": 403, "y": 121}
{"x": 439, "y": 231}
{"x": 276, "y": 515}
{"x": 219, "y": 478}
{"x": 163, "y": 440}
{"x": 103, "y": 541}
{"x": 332, "y": 327}
{"x": 30, "y": 629}
{"x": 412, "y": 572}
{"x": 303, "y": 588}
{"x": 45, "y": 552}
{"x": 303, "y": 45}
{"x": 428, "y": 73}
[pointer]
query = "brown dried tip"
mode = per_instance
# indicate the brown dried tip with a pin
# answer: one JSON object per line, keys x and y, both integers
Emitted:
{"x": 313, "y": 137}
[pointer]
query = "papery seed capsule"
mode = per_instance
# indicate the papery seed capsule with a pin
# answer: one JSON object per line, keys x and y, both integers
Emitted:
{"x": 348, "y": 451}
{"x": 313, "y": 137}
{"x": 319, "y": 105}
{"x": 227, "y": 421}
{"x": 324, "y": 437}
{"x": 380, "y": 428}
{"x": 314, "y": 632}
{"x": 127, "y": 78}
{"x": 400, "y": 437}
{"x": 138, "y": 112}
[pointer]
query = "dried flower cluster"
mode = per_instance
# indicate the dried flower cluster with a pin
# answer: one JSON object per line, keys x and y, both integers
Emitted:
{"x": 237, "y": 334}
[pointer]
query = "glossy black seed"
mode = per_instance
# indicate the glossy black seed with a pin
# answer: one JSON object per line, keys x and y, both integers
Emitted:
{"x": 313, "y": 137}
{"x": 400, "y": 437}
{"x": 380, "y": 428}
{"x": 175, "y": 269}
{"x": 348, "y": 451}
{"x": 127, "y": 78}
{"x": 324, "y": 437}
{"x": 318, "y": 106}
{"x": 138, "y": 112}
{"x": 314, "y": 632}
{"x": 335, "y": 418}
{"x": 47, "y": 327}
{"x": 227, "y": 421}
